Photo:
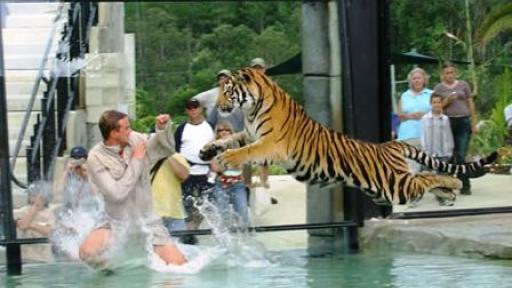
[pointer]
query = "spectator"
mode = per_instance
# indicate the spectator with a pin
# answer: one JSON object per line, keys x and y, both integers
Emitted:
{"x": 395, "y": 122}
{"x": 36, "y": 220}
{"x": 436, "y": 136}
{"x": 458, "y": 105}
{"x": 229, "y": 185}
{"x": 508, "y": 119}
{"x": 235, "y": 118}
{"x": 413, "y": 104}
{"x": 190, "y": 137}
{"x": 208, "y": 98}
{"x": 83, "y": 209}
{"x": 119, "y": 168}
{"x": 76, "y": 184}
{"x": 167, "y": 194}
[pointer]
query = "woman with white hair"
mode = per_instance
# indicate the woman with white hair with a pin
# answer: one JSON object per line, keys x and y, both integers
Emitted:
{"x": 413, "y": 104}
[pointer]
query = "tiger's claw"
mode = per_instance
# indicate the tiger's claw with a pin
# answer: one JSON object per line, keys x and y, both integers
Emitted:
{"x": 209, "y": 151}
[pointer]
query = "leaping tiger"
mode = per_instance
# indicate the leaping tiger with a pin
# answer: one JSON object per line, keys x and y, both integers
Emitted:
{"x": 277, "y": 129}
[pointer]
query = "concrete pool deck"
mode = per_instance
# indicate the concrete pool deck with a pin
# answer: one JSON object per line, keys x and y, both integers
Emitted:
{"x": 488, "y": 235}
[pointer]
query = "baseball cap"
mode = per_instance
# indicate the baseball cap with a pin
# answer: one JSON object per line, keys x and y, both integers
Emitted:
{"x": 258, "y": 62}
{"x": 224, "y": 72}
{"x": 192, "y": 103}
{"x": 78, "y": 152}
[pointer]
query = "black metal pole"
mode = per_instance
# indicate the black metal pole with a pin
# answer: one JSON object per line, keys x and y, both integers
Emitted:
{"x": 13, "y": 252}
{"x": 366, "y": 91}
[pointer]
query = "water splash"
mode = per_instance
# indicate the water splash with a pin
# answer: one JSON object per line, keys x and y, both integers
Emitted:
{"x": 81, "y": 212}
{"x": 234, "y": 244}
{"x": 131, "y": 246}
{"x": 40, "y": 188}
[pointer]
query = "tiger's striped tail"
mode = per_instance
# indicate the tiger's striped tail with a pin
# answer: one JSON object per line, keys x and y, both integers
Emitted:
{"x": 423, "y": 158}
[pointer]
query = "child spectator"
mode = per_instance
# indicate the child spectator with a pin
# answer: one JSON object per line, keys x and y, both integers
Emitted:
{"x": 229, "y": 184}
{"x": 436, "y": 135}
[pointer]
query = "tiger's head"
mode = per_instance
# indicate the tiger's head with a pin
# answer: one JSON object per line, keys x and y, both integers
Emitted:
{"x": 239, "y": 90}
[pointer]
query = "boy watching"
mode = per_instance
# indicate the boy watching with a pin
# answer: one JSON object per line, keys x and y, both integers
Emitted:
{"x": 436, "y": 135}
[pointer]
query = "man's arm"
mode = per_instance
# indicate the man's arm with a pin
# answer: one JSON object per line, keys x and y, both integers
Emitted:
{"x": 114, "y": 189}
{"x": 161, "y": 144}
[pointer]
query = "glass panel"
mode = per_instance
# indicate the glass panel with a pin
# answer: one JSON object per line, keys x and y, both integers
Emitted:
{"x": 154, "y": 57}
{"x": 454, "y": 41}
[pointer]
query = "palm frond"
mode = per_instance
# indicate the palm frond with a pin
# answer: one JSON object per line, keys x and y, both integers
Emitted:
{"x": 497, "y": 21}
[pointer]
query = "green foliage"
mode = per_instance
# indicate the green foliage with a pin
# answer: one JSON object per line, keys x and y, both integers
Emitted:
{"x": 277, "y": 170}
{"x": 494, "y": 130}
{"x": 143, "y": 124}
{"x": 181, "y": 46}
{"x": 497, "y": 21}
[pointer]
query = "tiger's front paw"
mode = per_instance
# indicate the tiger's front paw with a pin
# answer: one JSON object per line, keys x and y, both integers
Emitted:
{"x": 209, "y": 151}
{"x": 231, "y": 158}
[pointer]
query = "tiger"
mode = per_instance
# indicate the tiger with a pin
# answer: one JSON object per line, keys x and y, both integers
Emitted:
{"x": 278, "y": 130}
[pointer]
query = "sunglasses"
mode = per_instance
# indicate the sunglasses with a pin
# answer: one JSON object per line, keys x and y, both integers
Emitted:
{"x": 189, "y": 107}
{"x": 225, "y": 130}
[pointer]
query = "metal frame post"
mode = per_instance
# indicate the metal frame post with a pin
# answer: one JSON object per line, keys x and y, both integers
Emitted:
{"x": 364, "y": 30}
{"x": 13, "y": 251}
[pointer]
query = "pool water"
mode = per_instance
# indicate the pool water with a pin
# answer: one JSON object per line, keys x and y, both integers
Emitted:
{"x": 285, "y": 268}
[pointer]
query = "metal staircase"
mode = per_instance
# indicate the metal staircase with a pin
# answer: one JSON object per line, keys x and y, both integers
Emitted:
{"x": 45, "y": 82}
{"x": 30, "y": 38}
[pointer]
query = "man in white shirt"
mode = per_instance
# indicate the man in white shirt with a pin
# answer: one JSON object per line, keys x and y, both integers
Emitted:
{"x": 190, "y": 137}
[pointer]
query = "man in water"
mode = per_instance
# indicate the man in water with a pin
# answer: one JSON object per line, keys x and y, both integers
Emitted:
{"x": 119, "y": 168}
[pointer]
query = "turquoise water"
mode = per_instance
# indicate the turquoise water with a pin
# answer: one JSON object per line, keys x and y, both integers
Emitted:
{"x": 286, "y": 268}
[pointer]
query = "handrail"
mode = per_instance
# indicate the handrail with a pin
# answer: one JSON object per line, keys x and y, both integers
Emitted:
{"x": 54, "y": 79}
{"x": 33, "y": 95}
{"x": 69, "y": 103}
{"x": 351, "y": 225}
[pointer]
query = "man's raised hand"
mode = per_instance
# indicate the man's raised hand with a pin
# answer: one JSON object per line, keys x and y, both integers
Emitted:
{"x": 162, "y": 120}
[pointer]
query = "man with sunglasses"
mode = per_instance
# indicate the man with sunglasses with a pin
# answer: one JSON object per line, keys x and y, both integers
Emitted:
{"x": 190, "y": 137}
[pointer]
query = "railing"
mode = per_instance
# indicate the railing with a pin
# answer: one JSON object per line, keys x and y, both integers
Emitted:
{"x": 350, "y": 227}
{"x": 50, "y": 127}
{"x": 47, "y": 143}
{"x": 33, "y": 95}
